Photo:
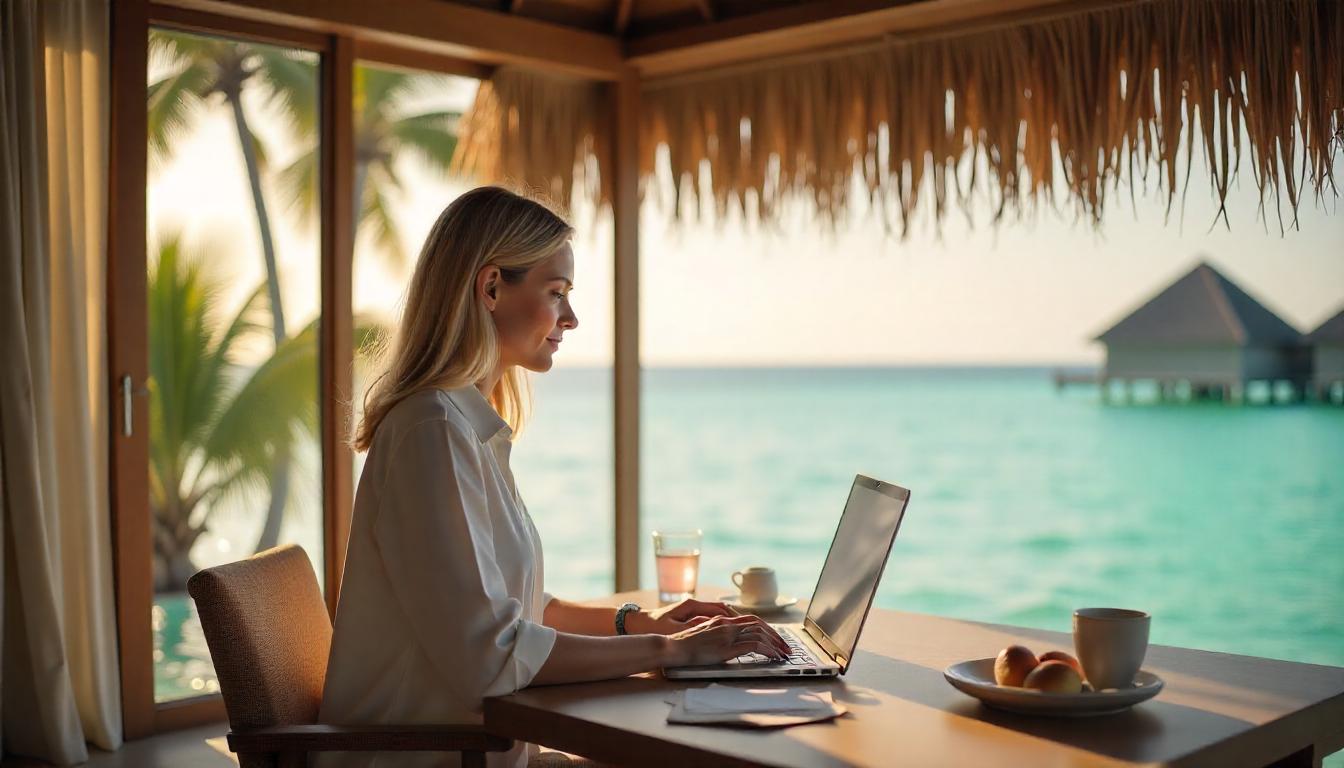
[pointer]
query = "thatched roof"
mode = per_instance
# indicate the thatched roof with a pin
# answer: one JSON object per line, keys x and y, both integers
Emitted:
{"x": 1329, "y": 332}
{"x": 537, "y": 131}
{"x": 1018, "y": 111}
{"x": 1204, "y": 308}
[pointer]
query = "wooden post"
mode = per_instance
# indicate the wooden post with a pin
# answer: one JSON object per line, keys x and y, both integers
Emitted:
{"x": 336, "y": 341}
{"x": 625, "y": 216}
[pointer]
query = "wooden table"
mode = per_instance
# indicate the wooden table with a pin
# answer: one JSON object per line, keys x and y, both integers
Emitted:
{"x": 1216, "y": 710}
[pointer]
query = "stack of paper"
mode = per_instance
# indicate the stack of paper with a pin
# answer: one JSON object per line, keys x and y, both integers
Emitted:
{"x": 759, "y": 707}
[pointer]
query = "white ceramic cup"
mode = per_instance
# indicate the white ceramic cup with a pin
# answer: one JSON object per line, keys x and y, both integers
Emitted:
{"x": 1111, "y": 644}
{"x": 756, "y": 585}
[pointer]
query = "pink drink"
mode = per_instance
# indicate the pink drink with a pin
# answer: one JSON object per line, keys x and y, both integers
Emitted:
{"x": 677, "y": 575}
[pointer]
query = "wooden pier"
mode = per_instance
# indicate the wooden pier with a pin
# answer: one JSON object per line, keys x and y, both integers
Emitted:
{"x": 1122, "y": 389}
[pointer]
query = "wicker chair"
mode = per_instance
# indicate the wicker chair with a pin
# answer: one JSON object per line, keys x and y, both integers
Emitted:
{"x": 269, "y": 637}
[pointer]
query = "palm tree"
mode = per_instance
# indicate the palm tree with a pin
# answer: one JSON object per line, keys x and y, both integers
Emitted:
{"x": 205, "y": 68}
{"x": 215, "y": 424}
{"x": 383, "y": 133}
{"x": 202, "y": 68}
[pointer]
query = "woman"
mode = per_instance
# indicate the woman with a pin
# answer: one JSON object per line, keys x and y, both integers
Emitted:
{"x": 441, "y": 603}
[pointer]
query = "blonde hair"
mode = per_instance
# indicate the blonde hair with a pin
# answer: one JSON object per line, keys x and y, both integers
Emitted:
{"x": 446, "y": 337}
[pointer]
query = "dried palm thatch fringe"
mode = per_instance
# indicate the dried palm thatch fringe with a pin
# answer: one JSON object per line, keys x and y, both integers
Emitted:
{"x": 538, "y": 133}
{"x": 1103, "y": 96}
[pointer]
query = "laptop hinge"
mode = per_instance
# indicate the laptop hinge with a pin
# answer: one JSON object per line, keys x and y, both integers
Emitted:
{"x": 825, "y": 643}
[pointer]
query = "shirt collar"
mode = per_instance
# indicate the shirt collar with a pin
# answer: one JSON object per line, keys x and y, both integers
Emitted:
{"x": 484, "y": 420}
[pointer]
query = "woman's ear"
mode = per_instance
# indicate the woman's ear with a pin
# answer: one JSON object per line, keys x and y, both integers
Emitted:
{"x": 487, "y": 286}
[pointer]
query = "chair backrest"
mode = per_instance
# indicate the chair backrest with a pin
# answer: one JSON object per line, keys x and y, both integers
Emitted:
{"x": 269, "y": 636}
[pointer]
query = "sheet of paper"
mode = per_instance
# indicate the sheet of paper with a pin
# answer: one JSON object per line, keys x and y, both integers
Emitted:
{"x": 752, "y": 707}
{"x": 722, "y": 698}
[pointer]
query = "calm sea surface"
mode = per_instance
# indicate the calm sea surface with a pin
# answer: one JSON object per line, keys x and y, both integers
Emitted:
{"x": 1225, "y": 522}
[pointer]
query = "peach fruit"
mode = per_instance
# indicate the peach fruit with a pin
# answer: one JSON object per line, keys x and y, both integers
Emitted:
{"x": 1054, "y": 677}
{"x": 1064, "y": 657}
{"x": 1013, "y": 665}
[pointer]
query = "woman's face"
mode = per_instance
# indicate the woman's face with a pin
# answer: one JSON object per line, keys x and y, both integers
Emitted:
{"x": 532, "y": 314}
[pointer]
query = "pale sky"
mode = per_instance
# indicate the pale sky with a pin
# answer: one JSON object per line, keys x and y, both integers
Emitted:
{"x": 1026, "y": 293}
{"x": 728, "y": 295}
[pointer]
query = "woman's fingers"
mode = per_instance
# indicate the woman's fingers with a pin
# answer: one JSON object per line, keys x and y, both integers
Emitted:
{"x": 769, "y": 633}
{"x": 710, "y": 609}
{"x": 764, "y": 636}
{"x": 688, "y": 609}
{"x": 736, "y": 628}
{"x": 720, "y": 638}
{"x": 755, "y": 645}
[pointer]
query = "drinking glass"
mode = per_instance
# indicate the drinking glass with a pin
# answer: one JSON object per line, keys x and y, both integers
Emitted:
{"x": 678, "y": 556}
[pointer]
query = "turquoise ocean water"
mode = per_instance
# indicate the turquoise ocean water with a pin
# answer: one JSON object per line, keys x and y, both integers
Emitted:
{"x": 1225, "y": 522}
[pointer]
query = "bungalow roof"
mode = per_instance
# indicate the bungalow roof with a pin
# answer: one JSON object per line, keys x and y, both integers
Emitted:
{"x": 1331, "y": 330}
{"x": 1203, "y": 307}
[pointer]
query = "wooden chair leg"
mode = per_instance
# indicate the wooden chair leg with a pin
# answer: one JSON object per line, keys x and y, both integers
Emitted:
{"x": 473, "y": 759}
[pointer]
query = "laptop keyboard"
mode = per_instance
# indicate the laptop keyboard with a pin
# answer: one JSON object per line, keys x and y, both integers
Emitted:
{"x": 799, "y": 656}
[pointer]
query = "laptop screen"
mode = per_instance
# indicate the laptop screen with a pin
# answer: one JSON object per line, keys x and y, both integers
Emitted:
{"x": 854, "y": 564}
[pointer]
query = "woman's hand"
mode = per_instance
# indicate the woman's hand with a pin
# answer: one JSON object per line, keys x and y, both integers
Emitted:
{"x": 672, "y": 619}
{"x": 720, "y": 638}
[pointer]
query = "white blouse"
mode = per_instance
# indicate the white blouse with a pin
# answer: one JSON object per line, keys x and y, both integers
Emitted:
{"x": 441, "y": 602}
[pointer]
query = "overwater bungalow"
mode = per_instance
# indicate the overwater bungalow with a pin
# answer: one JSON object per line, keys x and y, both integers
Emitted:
{"x": 1327, "y": 358}
{"x": 125, "y": 412}
{"x": 1207, "y": 333}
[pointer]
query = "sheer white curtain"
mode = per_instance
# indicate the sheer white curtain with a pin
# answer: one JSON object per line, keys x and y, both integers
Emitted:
{"x": 58, "y": 655}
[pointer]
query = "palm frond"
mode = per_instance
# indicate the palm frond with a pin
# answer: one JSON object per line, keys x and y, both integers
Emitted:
{"x": 298, "y": 184}
{"x": 173, "y": 101}
{"x": 263, "y": 155}
{"x": 382, "y": 230}
{"x": 237, "y": 481}
{"x": 291, "y": 78}
{"x": 378, "y": 90}
{"x": 184, "y": 47}
{"x": 276, "y": 402}
{"x": 383, "y": 175}
{"x": 251, "y": 320}
{"x": 431, "y": 135}
{"x": 426, "y": 85}
{"x": 192, "y": 363}
{"x": 179, "y": 305}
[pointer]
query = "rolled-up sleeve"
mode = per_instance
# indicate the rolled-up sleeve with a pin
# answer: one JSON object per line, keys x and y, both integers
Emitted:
{"x": 436, "y": 537}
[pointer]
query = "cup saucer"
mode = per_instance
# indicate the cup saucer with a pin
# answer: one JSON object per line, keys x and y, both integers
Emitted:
{"x": 781, "y": 602}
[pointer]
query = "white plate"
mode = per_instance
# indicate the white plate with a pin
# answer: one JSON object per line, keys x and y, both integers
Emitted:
{"x": 781, "y": 602}
{"x": 976, "y": 678}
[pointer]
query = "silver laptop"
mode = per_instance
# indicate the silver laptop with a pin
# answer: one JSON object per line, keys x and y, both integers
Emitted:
{"x": 824, "y": 643}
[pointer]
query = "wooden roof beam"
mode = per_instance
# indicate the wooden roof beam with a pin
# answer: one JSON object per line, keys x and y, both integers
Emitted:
{"x": 623, "y": 8}
{"x": 809, "y": 26}
{"x": 445, "y": 29}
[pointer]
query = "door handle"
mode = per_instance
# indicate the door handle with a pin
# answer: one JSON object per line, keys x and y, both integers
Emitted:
{"x": 128, "y": 390}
